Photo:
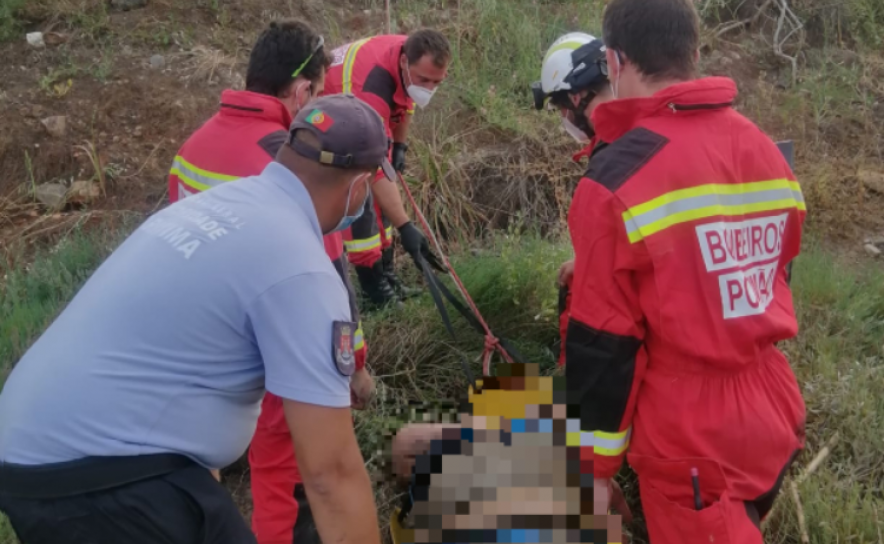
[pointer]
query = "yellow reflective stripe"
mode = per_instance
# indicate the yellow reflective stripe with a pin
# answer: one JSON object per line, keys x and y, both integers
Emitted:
{"x": 572, "y": 45}
{"x": 611, "y": 444}
{"x": 712, "y": 188}
{"x": 602, "y": 443}
{"x": 389, "y": 232}
{"x": 204, "y": 173}
{"x": 359, "y": 341}
{"x": 195, "y": 185}
{"x": 710, "y": 200}
{"x": 409, "y": 112}
{"x": 197, "y": 178}
{"x": 355, "y": 246}
{"x": 349, "y": 61}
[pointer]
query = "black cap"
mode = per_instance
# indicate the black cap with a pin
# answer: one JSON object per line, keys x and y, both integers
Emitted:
{"x": 350, "y": 133}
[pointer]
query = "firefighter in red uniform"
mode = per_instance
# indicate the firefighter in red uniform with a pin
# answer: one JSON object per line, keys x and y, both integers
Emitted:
{"x": 287, "y": 68}
{"x": 682, "y": 230}
{"x": 392, "y": 74}
{"x": 574, "y": 81}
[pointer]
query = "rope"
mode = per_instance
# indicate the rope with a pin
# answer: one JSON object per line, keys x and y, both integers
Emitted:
{"x": 492, "y": 343}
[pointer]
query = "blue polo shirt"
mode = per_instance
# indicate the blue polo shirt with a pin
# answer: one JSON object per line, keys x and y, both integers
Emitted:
{"x": 170, "y": 344}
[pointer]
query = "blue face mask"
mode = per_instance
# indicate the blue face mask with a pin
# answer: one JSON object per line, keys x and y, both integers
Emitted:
{"x": 348, "y": 220}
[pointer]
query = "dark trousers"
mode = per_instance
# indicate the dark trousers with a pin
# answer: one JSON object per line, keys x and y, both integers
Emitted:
{"x": 187, "y": 506}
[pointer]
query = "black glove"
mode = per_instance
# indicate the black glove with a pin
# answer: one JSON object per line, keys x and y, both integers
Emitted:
{"x": 415, "y": 243}
{"x": 398, "y": 162}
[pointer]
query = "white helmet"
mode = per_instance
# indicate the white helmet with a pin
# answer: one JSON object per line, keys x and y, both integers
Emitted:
{"x": 563, "y": 70}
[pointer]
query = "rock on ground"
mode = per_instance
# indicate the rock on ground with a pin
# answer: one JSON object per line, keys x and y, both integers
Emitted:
{"x": 56, "y": 125}
{"x": 872, "y": 180}
{"x": 83, "y": 191}
{"x": 35, "y": 39}
{"x": 53, "y": 195}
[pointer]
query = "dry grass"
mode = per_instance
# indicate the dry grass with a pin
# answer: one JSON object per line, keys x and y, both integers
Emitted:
{"x": 212, "y": 66}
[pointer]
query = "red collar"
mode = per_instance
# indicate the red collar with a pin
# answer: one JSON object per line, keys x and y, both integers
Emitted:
{"x": 615, "y": 118}
{"x": 586, "y": 151}
{"x": 255, "y": 105}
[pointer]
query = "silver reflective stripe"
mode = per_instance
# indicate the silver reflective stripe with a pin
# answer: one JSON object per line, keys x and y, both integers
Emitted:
{"x": 194, "y": 179}
{"x": 705, "y": 201}
{"x": 611, "y": 443}
{"x": 363, "y": 245}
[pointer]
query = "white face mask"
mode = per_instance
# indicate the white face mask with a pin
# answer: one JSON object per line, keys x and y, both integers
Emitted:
{"x": 347, "y": 220}
{"x": 574, "y": 132}
{"x": 420, "y": 95}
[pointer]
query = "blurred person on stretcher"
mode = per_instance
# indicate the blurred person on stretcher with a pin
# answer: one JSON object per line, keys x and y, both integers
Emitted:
{"x": 509, "y": 471}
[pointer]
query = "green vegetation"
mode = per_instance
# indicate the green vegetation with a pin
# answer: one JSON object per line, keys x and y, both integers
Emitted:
{"x": 7, "y": 536}
{"x": 838, "y": 360}
{"x": 31, "y": 296}
{"x": 837, "y": 357}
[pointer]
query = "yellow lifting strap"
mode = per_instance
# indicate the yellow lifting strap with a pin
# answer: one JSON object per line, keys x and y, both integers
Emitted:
{"x": 396, "y": 529}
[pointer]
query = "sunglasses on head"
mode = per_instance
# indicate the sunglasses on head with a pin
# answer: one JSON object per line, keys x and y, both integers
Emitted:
{"x": 319, "y": 45}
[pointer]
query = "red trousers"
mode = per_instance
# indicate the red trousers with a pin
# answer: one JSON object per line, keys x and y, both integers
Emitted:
{"x": 274, "y": 475}
{"x": 278, "y": 495}
{"x": 740, "y": 428}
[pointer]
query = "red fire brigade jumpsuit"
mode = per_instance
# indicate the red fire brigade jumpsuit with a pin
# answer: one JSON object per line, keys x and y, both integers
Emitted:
{"x": 369, "y": 69}
{"x": 682, "y": 229}
{"x": 591, "y": 150}
{"x": 240, "y": 140}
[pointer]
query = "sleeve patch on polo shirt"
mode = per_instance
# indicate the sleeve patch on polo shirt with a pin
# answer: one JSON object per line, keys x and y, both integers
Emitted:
{"x": 343, "y": 350}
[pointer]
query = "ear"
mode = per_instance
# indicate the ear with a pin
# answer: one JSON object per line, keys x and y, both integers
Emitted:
{"x": 613, "y": 63}
{"x": 697, "y": 56}
{"x": 403, "y": 61}
{"x": 294, "y": 94}
{"x": 292, "y": 88}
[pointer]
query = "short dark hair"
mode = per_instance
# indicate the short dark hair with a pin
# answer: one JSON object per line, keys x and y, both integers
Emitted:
{"x": 279, "y": 51}
{"x": 427, "y": 42}
{"x": 660, "y": 36}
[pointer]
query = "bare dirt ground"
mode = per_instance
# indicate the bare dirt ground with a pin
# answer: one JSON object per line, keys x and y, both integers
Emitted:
{"x": 120, "y": 109}
{"x": 134, "y": 84}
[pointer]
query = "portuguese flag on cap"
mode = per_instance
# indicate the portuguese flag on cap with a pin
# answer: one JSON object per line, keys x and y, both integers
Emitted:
{"x": 320, "y": 120}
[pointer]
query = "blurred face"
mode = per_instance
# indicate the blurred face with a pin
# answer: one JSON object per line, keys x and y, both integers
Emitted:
{"x": 358, "y": 193}
{"x": 597, "y": 100}
{"x": 582, "y": 120}
{"x": 318, "y": 87}
{"x": 354, "y": 194}
{"x": 424, "y": 73}
{"x": 302, "y": 91}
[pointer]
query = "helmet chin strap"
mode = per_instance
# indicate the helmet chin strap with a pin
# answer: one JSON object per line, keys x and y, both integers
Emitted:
{"x": 580, "y": 120}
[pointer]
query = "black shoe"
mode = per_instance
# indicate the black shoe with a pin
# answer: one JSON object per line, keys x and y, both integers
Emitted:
{"x": 401, "y": 289}
{"x": 375, "y": 286}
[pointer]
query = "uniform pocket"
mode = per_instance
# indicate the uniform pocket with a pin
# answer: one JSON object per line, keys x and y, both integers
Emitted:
{"x": 668, "y": 500}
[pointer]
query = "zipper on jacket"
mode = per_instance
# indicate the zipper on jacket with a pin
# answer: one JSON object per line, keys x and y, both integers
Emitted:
{"x": 684, "y": 107}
